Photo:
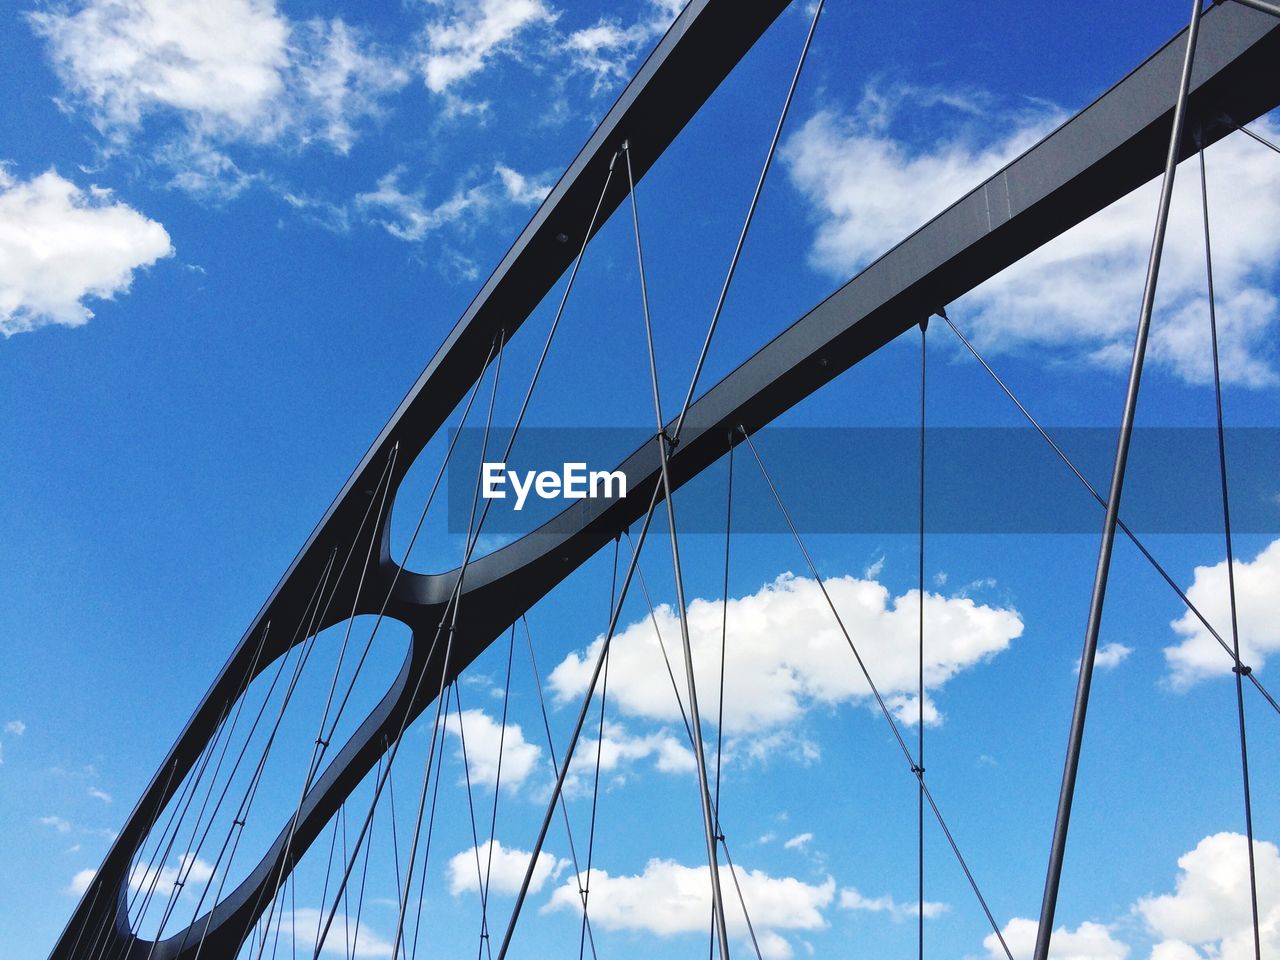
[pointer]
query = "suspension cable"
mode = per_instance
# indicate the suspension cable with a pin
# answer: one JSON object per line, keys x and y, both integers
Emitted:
{"x": 664, "y": 451}
{"x": 304, "y": 630}
{"x": 321, "y": 744}
{"x": 1261, "y": 139}
{"x": 875, "y": 691}
{"x": 924, "y": 337}
{"x": 1124, "y": 528}
{"x": 497, "y": 780}
{"x": 724, "y": 636}
{"x": 1231, "y": 576}
{"x": 1075, "y": 738}
{"x": 451, "y": 612}
{"x": 475, "y": 837}
{"x": 595, "y": 781}
{"x": 555, "y": 766}
{"x": 648, "y": 517}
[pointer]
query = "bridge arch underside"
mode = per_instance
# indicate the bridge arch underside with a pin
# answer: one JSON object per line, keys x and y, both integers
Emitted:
{"x": 1110, "y": 148}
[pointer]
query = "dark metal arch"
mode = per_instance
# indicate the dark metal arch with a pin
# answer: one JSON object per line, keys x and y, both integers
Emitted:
{"x": 1108, "y": 149}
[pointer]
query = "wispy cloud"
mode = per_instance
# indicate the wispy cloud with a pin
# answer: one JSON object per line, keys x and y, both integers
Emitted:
{"x": 460, "y": 44}
{"x": 851, "y": 899}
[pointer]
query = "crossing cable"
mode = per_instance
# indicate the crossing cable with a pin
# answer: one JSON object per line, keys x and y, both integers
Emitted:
{"x": 1133, "y": 537}
{"x": 1231, "y": 576}
{"x": 924, "y": 337}
{"x": 395, "y": 744}
{"x": 475, "y": 836}
{"x": 312, "y": 631}
{"x": 241, "y": 690}
{"x": 724, "y": 633}
{"x": 101, "y": 943}
{"x": 364, "y": 871}
{"x": 328, "y": 873}
{"x": 322, "y": 742}
{"x": 510, "y": 443}
{"x": 653, "y": 501}
{"x": 884, "y": 709}
{"x": 426, "y": 852}
{"x": 555, "y": 766}
{"x": 664, "y": 451}
{"x": 451, "y": 613}
{"x": 585, "y": 890}
{"x": 1075, "y": 738}
{"x": 236, "y": 830}
{"x": 688, "y": 732}
{"x": 497, "y": 779}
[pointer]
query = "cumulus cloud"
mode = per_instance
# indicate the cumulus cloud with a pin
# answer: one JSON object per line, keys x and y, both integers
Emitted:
{"x": 1199, "y": 655}
{"x": 1089, "y": 941}
{"x": 506, "y": 869}
{"x": 607, "y": 48}
{"x": 60, "y": 245}
{"x": 1078, "y": 295}
{"x": 618, "y": 749}
{"x": 486, "y": 743}
{"x": 213, "y": 75}
{"x": 668, "y": 899}
{"x": 851, "y": 899}
{"x": 15, "y": 727}
{"x": 460, "y": 45}
{"x": 786, "y": 653}
{"x": 1209, "y": 909}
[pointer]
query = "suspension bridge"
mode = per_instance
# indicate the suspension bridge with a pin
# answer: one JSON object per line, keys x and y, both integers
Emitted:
{"x": 1211, "y": 80}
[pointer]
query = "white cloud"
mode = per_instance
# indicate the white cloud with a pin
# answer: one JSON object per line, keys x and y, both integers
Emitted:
{"x": 1199, "y": 655}
{"x": 506, "y": 872}
{"x": 798, "y": 841}
{"x": 461, "y": 46}
{"x": 212, "y": 75}
{"x": 191, "y": 870}
{"x": 788, "y": 654}
{"x": 15, "y": 727}
{"x": 59, "y": 824}
{"x": 668, "y": 899}
{"x": 619, "y": 749}
{"x": 1089, "y": 941}
{"x": 851, "y": 899}
{"x": 1109, "y": 656}
{"x": 606, "y": 49}
{"x": 98, "y": 794}
{"x": 80, "y": 882}
{"x": 344, "y": 939}
{"x": 1210, "y": 907}
{"x": 1079, "y": 294}
{"x": 485, "y": 742}
{"x": 60, "y": 245}
{"x": 521, "y": 189}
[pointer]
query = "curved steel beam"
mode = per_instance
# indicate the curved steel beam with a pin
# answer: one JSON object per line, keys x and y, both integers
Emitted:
{"x": 1108, "y": 149}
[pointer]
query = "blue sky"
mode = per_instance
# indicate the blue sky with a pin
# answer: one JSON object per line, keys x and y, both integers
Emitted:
{"x": 231, "y": 235}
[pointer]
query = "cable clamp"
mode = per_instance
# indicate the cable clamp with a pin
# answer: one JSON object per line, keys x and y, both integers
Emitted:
{"x": 1243, "y": 669}
{"x": 672, "y": 442}
{"x": 322, "y": 743}
{"x": 237, "y": 823}
{"x": 917, "y": 769}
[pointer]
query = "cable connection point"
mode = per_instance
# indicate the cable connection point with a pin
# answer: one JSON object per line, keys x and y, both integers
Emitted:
{"x": 1243, "y": 669}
